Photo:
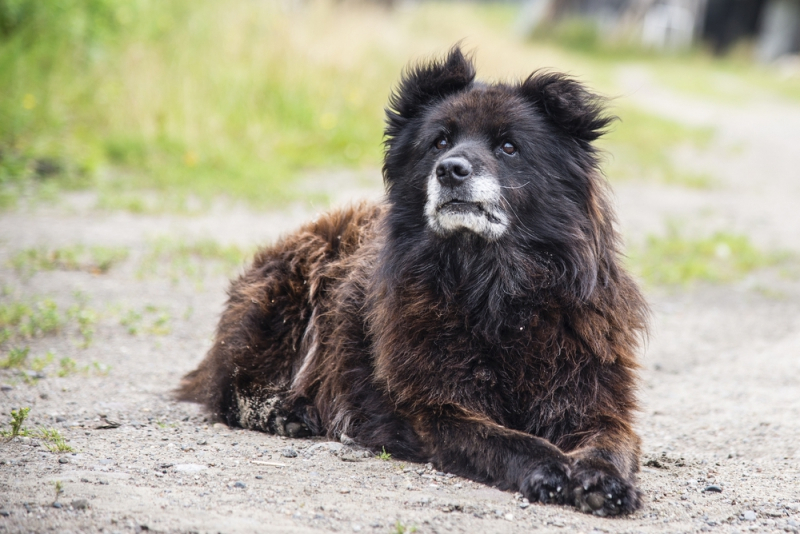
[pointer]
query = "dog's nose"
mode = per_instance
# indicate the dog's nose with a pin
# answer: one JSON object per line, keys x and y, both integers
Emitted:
{"x": 453, "y": 171}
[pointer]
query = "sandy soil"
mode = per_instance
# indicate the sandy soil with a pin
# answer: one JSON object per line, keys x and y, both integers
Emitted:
{"x": 721, "y": 402}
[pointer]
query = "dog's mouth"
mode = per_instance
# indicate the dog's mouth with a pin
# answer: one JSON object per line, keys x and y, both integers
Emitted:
{"x": 465, "y": 207}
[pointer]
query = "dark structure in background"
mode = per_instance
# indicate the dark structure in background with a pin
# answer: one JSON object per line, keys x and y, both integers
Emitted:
{"x": 773, "y": 24}
{"x": 728, "y": 21}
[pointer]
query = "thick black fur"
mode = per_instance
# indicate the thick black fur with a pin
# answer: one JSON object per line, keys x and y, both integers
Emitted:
{"x": 508, "y": 358}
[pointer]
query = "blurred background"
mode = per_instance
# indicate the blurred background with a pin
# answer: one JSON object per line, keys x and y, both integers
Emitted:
{"x": 199, "y": 100}
{"x": 183, "y": 107}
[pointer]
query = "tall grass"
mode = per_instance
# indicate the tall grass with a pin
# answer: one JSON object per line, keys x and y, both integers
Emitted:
{"x": 198, "y": 97}
{"x": 205, "y": 98}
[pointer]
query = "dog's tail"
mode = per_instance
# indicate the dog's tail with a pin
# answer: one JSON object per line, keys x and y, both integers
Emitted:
{"x": 210, "y": 385}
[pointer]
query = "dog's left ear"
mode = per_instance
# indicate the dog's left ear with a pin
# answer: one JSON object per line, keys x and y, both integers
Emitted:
{"x": 568, "y": 104}
{"x": 426, "y": 83}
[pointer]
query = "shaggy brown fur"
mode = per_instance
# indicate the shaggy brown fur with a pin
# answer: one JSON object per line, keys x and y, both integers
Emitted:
{"x": 478, "y": 319}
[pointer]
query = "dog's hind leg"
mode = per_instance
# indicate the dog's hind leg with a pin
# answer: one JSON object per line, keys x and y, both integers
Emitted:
{"x": 276, "y": 414}
{"x": 267, "y": 335}
{"x": 260, "y": 340}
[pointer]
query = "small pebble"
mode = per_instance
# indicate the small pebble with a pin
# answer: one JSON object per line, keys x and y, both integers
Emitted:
{"x": 509, "y": 517}
{"x": 5, "y": 513}
{"x": 289, "y": 452}
{"x": 80, "y": 504}
{"x": 240, "y": 484}
{"x": 259, "y": 477}
{"x": 749, "y": 515}
{"x": 344, "y": 490}
{"x": 713, "y": 489}
{"x": 60, "y": 419}
{"x": 63, "y": 460}
{"x": 56, "y": 504}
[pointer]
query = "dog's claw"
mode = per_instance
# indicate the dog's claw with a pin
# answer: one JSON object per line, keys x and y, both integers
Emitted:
{"x": 546, "y": 483}
{"x": 599, "y": 490}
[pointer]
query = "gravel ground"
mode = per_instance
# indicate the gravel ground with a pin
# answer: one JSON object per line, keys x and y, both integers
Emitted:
{"x": 721, "y": 402}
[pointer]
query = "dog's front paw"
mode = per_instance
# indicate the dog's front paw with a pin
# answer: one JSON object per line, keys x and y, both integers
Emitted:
{"x": 596, "y": 488}
{"x": 548, "y": 482}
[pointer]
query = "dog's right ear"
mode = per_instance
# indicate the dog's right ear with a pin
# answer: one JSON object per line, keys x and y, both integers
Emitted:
{"x": 426, "y": 83}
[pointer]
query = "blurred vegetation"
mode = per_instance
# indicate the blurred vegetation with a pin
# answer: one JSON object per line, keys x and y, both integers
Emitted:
{"x": 640, "y": 148}
{"x": 153, "y": 104}
{"x": 174, "y": 96}
{"x": 179, "y": 259}
{"x": 676, "y": 259}
{"x": 95, "y": 259}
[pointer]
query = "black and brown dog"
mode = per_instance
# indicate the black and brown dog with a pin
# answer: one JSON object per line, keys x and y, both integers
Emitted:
{"x": 478, "y": 319}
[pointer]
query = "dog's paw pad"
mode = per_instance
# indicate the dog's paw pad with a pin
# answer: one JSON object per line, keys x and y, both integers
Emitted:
{"x": 547, "y": 483}
{"x": 599, "y": 492}
{"x": 297, "y": 430}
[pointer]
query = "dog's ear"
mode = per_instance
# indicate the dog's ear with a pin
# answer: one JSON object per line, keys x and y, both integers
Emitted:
{"x": 568, "y": 104}
{"x": 425, "y": 83}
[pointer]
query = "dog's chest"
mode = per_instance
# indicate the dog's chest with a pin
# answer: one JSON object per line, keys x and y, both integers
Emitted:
{"x": 506, "y": 382}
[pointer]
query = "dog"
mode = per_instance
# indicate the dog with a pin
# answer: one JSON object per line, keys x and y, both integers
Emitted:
{"x": 478, "y": 318}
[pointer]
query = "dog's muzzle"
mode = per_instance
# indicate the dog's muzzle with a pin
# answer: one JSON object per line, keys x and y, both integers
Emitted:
{"x": 460, "y": 199}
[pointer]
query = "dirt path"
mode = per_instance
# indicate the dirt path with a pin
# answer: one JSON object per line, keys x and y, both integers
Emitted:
{"x": 721, "y": 402}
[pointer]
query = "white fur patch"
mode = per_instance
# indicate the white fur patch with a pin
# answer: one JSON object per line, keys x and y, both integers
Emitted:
{"x": 490, "y": 222}
{"x": 254, "y": 412}
{"x": 310, "y": 344}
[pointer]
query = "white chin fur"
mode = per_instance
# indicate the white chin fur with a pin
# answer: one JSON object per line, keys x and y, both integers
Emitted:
{"x": 480, "y": 189}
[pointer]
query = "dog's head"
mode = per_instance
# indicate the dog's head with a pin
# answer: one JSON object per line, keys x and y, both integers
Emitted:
{"x": 510, "y": 163}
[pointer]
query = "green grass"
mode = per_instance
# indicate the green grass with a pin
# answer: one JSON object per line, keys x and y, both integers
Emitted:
{"x": 385, "y": 456}
{"x": 19, "y": 320}
{"x": 52, "y": 439}
{"x": 182, "y": 97}
{"x": 94, "y": 259}
{"x": 400, "y": 528}
{"x": 41, "y": 362}
{"x": 639, "y": 147}
{"x": 59, "y": 489}
{"x": 167, "y": 105}
{"x": 16, "y": 358}
{"x": 68, "y": 367}
{"x": 179, "y": 259}
{"x": 17, "y": 420}
{"x": 679, "y": 260}
{"x": 151, "y": 320}
{"x": 86, "y": 318}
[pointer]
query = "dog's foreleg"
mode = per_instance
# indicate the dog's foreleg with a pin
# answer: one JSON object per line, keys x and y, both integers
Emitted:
{"x": 603, "y": 470}
{"x": 474, "y": 447}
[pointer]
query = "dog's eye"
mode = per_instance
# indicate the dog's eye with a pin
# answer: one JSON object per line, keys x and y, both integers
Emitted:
{"x": 508, "y": 148}
{"x": 441, "y": 143}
